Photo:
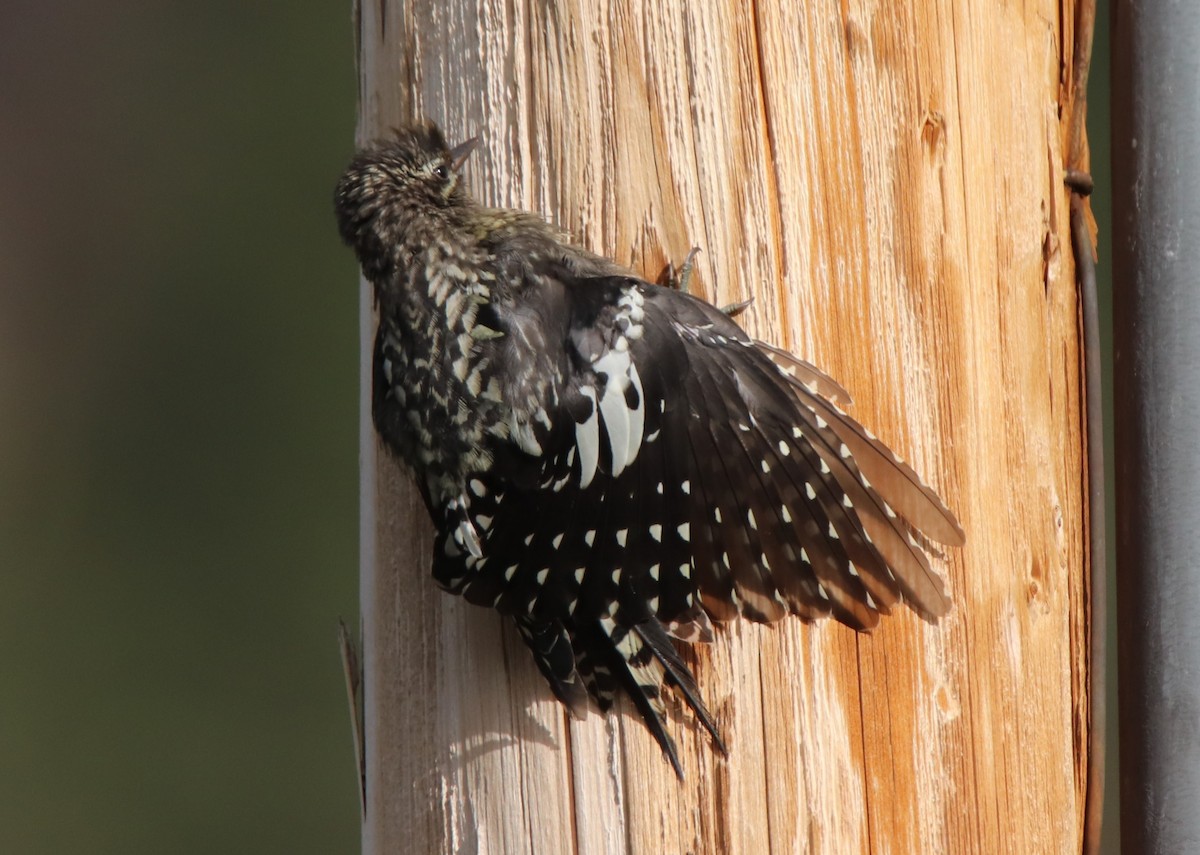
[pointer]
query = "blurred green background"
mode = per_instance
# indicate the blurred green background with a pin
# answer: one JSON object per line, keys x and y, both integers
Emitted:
{"x": 178, "y": 425}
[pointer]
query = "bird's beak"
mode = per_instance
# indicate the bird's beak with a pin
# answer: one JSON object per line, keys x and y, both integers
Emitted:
{"x": 461, "y": 152}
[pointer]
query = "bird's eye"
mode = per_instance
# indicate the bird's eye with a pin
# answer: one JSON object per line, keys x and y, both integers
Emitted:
{"x": 441, "y": 172}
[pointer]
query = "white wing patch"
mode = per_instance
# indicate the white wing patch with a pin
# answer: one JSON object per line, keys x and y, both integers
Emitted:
{"x": 625, "y": 425}
{"x": 587, "y": 437}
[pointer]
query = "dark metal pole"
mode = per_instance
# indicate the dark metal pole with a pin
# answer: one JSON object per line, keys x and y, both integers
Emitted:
{"x": 1156, "y": 202}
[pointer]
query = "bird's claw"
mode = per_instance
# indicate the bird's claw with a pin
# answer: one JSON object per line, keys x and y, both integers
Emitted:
{"x": 681, "y": 281}
{"x": 732, "y": 310}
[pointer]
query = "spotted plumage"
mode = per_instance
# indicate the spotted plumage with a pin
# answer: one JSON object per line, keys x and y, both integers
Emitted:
{"x": 609, "y": 462}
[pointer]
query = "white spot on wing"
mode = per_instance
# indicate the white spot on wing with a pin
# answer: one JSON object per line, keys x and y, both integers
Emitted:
{"x": 467, "y": 536}
{"x": 522, "y": 432}
{"x": 625, "y": 425}
{"x": 587, "y": 437}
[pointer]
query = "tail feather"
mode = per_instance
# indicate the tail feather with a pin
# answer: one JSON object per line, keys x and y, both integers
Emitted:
{"x": 678, "y": 675}
{"x": 642, "y": 660}
{"x": 555, "y": 658}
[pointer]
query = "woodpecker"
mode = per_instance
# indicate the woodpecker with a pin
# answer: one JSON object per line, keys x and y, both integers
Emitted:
{"x": 611, "y": 463}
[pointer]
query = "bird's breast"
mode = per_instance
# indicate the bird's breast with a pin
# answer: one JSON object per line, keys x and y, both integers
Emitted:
{"x": 440, "y": 394}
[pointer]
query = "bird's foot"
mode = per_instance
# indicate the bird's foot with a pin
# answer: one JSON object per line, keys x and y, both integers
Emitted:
{"x": 681, "y": 279}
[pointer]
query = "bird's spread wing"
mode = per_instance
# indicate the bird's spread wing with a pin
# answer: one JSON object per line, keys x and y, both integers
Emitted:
{"x": 683, "y": 471}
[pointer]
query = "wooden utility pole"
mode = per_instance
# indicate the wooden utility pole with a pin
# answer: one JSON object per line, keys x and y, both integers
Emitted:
{"x": 886, "y": 181}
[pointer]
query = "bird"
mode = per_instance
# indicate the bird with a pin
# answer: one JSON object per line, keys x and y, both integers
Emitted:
{"x": 614, "y": 464}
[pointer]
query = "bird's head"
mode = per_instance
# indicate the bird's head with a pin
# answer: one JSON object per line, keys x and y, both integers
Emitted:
{"x": 398, "y": 192}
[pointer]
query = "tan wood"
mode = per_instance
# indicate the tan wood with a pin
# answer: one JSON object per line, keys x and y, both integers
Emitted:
{"x": 885, "y": 179}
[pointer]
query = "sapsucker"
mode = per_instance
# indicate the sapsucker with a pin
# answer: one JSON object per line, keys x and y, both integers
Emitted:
{"x": 609, "y": 462}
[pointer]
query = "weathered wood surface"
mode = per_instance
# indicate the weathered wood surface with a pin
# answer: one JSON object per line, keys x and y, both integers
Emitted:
{"x": 885, "y": 179}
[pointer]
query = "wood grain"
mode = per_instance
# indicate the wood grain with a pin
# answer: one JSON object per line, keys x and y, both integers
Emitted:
{"x": 885, "y": 179}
